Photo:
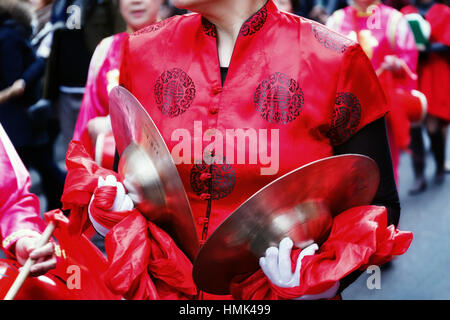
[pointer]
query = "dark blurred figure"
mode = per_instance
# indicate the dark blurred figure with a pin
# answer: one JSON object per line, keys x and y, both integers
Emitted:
{"x": 42, "y": 11}
{"x": 41, "y": 40}
{"x": 79, "y": 26}
{"x": 19, "y": 65}
{"x": 318, "y": 10}
{"x": 396, "y": 4}
{"x": 285, "y": 5}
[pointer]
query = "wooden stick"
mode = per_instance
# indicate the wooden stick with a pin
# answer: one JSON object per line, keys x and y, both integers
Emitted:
{"x": 25, "y": 271}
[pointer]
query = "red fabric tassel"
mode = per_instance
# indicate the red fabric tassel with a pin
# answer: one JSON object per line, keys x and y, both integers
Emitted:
{"x": 104, "y": 197}
{"x": 100, "y": 207}
{"x": 128, "y": 247}
{"x": 145, "y": 263}
{"x": 79, "y": 252}
{"x": 169, "y": 264}
{"x": 81, "y": 182}
{"x": 359, "y": 238}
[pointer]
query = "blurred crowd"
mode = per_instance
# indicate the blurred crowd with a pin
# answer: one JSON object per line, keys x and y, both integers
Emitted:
{"x": 46, "y": 48}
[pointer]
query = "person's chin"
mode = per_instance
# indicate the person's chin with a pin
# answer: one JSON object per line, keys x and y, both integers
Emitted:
{"x": 139, "y": 25}
{"x": 185, "y": 4}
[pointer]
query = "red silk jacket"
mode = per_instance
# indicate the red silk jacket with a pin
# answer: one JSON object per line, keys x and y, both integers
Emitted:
{"x": 293, "y": 90}
{"x": 19, "y": 208}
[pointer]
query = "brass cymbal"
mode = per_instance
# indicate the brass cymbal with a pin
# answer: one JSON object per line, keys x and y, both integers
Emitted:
{"x": 147, "y": 166}
{"x": 300, "y": 204}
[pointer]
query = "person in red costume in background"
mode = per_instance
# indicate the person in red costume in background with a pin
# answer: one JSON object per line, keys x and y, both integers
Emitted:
{"x": 20, "y": 222}
{"x": 234, "y": 64}
{"x": 93, "y": 123}
{"x": 434, "y": 82}
{"x": 386, "y": 38}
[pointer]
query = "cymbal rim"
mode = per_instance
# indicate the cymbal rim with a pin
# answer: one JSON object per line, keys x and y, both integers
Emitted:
{"x": 132, "y": 124}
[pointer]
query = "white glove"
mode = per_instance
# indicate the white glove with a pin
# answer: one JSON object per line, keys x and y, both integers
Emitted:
{"x": 276, "y": 265}
{"x": 122, "y": 201}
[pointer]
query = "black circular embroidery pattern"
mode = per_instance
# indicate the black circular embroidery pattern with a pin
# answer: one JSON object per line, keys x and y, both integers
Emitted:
{"x": 223, "y": 179}
{"x": 174, "y": 92}
{"x": 279, "y": 99}
{"x": 208, "y": 28}
{"x": 330, "y": 40}
{"x": 346, "y": 118}
{"x": 254, "y": 23}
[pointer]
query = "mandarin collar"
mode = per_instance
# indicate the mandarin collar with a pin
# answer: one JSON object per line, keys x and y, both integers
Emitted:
{"x": 251, "y": 26}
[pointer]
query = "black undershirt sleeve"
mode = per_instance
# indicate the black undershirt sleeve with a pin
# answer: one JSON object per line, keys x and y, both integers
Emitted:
{"x": 372, "y": 141}
{"x": 116, "y": 161}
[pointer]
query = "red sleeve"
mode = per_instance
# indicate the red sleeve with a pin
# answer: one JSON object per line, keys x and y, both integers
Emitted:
{"x": 408, "y": 9}
{"x": 81, "y": 181}
{"x": 19, "y": 208}
{"x": 359, "y": 97}
{"x": 125, "y": 78}
{"x": 439, "y": 19}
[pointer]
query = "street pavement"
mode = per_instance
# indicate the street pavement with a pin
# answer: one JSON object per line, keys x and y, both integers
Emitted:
{"x": 423, "y": 271}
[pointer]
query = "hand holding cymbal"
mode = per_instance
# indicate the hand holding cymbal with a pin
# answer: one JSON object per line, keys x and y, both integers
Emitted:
{"x": 299, "y": 205}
